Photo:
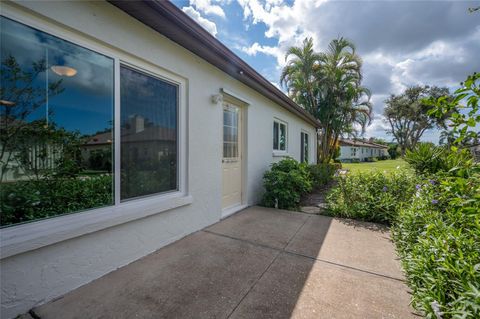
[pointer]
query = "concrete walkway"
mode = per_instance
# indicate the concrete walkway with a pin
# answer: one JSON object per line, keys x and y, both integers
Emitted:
{"x": 259, "y": 263}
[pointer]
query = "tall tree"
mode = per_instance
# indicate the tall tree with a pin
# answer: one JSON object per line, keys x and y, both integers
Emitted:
{"x": 300, "y": 75}
{"x": 407, "y": 114}
{"x": 328, "y": 85}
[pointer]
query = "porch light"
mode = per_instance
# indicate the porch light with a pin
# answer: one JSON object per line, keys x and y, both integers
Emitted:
{"x": 63, "y": 70}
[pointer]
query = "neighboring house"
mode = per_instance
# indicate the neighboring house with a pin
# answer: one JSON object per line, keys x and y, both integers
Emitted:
{"x": 200, "y": 112}
{"x": 361, "y": 150}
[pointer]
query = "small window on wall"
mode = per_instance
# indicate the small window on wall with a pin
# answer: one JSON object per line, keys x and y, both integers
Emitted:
{"x": 304, "y": 147}
{"x": 279, "y": 136}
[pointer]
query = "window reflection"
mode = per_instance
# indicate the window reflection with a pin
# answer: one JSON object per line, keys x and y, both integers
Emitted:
{"x": 148, "y": 134}
{"x": 56, "y": 126}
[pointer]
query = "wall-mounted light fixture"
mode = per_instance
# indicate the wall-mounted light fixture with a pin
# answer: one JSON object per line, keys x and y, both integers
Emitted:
{"x": 217, "y": 98}
{"x": 63, "y": 70}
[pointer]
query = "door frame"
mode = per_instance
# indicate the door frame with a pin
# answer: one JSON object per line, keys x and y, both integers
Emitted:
{"x": 232, "y": 98}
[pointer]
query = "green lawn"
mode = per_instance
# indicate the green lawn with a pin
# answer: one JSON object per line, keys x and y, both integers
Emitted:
{"x": 387, "y": 165}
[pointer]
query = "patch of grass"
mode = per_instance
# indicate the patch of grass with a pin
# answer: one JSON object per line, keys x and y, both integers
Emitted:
{"x": 380, "y": 166}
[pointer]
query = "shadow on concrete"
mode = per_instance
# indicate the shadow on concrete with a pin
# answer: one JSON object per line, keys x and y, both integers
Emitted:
{"x": 366, "y": 225}
{"x": 259, "y": 263}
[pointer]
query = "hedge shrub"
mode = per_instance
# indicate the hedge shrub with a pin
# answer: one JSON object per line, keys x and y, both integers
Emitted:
{"x": 371, "y": 196}
{"x": 23, "y": 201}
{"x": 323, "y": 173}
{"x": 285, "y": 183}
{"x": 438, "y": 240}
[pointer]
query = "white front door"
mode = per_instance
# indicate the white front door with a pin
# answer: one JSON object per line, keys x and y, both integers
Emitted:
{"x": 232, "y": 156}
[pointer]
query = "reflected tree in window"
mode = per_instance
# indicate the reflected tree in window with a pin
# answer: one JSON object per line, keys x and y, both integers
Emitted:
{"x": 56, "y": 100}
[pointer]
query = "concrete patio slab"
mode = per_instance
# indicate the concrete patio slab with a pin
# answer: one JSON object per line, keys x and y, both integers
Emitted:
{"x": 260, "y": 263}
{"x": 265, "y": 226}
{"x": 299, "y": 287}
{"x": 361, "y": 245}
{"x": 200, "y": 276}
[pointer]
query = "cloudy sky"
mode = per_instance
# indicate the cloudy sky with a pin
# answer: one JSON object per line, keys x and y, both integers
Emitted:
{"x": 402, "y": 43}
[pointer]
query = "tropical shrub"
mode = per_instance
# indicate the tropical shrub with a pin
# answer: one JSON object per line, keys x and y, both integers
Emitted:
{"x": 322, "y": 173}
{"x": 438, "y": 235}
{"x": 285, "y": 183}
{"x": 438, "y": 240}
{"x": 23, "y": 201}
{"x": 429, "y": 159}
{"x": 371, "y": 196}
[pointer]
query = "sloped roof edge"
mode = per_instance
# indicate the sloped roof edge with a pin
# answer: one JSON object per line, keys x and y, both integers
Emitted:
{"x": 165, "y": 18}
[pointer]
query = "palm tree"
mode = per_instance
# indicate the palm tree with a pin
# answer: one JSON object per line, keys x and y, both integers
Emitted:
{"x": 299, "y": 75}
{"x": 328, "y": 85}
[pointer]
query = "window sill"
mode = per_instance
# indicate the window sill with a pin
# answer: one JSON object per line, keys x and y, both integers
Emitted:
{"x": 280, "y": 154}
{"x": 22, "y": 238}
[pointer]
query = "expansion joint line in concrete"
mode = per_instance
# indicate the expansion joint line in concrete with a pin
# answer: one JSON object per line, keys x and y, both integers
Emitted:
{"x": 279, "y": 251}
{"x": 282, "y": 250}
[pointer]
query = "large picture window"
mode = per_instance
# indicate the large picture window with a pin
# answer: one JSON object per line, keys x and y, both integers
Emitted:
{"x": 56, "y": 126}
{"x": 58, "y": 151}
{"x": 148, "y": 134}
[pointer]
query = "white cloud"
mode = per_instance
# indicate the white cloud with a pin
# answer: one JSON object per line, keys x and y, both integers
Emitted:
{"x": 403, "y": 44}
{"x": 265, "y": 49}
{"x": 207, "y": 7}
{"x": 205, "y": 23}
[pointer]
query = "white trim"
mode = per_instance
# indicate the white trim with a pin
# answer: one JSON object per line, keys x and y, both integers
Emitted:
{"x": 281, "y": 154}
{"x": 232, "y": 210}
{"x": 116, "y": 139}
{"x": 237, "y": 99}
{"x": 34, "y": 235}
{"x": 21, "y": 238}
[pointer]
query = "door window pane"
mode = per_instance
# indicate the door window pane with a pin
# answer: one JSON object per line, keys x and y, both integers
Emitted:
{"x": 56, "y": 126}
{"x": 148, "y": 122}
{"x": 230, "y": 132}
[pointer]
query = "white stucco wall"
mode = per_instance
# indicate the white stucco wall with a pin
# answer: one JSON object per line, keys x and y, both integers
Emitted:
{"x": 37, "y": 276}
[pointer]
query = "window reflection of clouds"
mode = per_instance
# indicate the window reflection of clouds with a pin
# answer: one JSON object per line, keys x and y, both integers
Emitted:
{"x": 57, "y": 143}
{"x": 143, "y": 92}
{"x": 85, "y": 94}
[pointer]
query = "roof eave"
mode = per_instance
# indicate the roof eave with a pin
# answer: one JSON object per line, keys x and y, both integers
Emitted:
{"x": 162, "y": 15}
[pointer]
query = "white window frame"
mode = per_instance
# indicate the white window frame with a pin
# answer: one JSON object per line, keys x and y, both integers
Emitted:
{"x": 279, "y": 152}
{"x": 20, "y": 238}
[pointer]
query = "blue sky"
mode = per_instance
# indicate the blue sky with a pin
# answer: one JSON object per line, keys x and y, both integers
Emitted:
{"x": 402, "y": 43}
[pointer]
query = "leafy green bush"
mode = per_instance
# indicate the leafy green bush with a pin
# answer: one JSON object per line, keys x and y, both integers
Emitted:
{"x": 322, "y": 173}
{"x": 438, "y": 240}
{"x": 285, "y": 183}
{"x": 23, "y": 201}
{"x": 371, "y": 196}
{"x": 428, "y": 159}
